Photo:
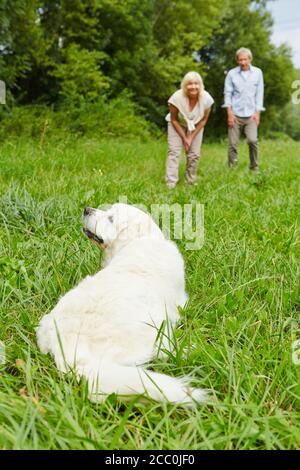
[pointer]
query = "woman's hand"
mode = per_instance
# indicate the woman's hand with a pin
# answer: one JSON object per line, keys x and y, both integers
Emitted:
{"x": 187, "y": 142}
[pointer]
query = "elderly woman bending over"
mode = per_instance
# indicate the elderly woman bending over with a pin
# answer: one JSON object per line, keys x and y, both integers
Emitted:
{"x": 189, "y": 111}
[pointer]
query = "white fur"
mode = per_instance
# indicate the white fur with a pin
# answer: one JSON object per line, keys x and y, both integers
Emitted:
{"x": 106, "y": 327}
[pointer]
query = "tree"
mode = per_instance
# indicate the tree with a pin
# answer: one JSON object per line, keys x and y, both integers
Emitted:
{"x": 247, "y": 23}
{"x": 21, "y": 44}
{"x": 80, "y": 75}
{"x": 52, "y": 50}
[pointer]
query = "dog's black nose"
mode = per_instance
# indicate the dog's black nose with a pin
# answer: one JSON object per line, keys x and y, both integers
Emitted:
{"x": 87, "y": 211}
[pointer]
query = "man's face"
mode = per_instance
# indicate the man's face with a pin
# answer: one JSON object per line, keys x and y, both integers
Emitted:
{"x": 244, "y": 61}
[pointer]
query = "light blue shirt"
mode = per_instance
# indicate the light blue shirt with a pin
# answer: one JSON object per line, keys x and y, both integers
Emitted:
{"x": 244, "y": 91}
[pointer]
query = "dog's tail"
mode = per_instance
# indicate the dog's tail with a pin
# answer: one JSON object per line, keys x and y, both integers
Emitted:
{"x": 132, "y": 380}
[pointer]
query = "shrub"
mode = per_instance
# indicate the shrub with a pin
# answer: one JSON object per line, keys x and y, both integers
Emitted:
{"x": 118, "y": 117}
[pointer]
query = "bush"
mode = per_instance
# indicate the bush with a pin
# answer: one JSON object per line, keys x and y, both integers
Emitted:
{"x": 80, "y": 75}
{"x": 118, "y": 117}
{"x": 28, "y": 121}
{"x": 291, "y": 120}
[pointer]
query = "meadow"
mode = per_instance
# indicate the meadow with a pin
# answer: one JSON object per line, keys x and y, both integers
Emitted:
{"x": 236, "y": 333}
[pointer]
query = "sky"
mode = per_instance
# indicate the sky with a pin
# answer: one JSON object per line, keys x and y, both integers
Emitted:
{"x": 286, "y": 28}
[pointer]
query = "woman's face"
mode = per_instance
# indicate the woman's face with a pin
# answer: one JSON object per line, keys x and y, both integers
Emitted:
{"x": 192, "y": 88}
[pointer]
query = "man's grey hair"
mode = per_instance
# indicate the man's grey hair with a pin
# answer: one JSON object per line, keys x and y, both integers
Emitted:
{"x": 243, "y": 50}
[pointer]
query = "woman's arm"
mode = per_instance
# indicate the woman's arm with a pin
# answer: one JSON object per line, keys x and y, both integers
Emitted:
{"x": 178, "y": 128}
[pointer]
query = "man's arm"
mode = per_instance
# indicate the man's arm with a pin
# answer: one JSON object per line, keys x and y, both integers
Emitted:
{"x": 259, "y": 99}
{"x": 231, "y": 119}
{"x": 228, "y": 91}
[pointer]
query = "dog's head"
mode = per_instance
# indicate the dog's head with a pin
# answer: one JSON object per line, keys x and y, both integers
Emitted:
{"x": 120, "y": 225}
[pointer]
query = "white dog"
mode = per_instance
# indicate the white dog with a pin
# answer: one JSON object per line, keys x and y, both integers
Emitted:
{"x": 106, "y": 328}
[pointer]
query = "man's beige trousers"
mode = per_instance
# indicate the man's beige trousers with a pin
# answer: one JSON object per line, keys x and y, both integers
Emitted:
{"x": 248, "y": 127}
{"x": 174, "y": 154}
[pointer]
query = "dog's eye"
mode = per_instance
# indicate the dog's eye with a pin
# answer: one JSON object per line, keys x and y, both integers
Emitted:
{"x": 110, "y": 218}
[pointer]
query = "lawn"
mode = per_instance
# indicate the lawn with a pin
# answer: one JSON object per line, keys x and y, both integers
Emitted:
{"x": 238, "y": 329}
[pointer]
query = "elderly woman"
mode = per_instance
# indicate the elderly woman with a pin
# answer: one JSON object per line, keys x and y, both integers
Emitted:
{"x": 189, "y": 111}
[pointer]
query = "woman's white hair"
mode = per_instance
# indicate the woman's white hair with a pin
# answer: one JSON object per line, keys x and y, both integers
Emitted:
{"x": 243, "y": 50}
{"x": 192, "y": 76}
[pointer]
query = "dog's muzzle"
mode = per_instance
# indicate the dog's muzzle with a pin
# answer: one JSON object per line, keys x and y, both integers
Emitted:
{"x": 93, "y": 237}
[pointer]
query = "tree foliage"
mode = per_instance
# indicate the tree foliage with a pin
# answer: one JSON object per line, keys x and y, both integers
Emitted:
{"x": 249, "y": 24}
{"x": 80, "y": 74}
{"x": 76, "y": 50}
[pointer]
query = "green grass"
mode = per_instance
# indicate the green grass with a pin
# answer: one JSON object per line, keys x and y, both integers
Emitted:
{"x": 236, "y": 331}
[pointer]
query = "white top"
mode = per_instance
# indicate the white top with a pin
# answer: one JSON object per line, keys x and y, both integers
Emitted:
{"x": 187, "y": 117}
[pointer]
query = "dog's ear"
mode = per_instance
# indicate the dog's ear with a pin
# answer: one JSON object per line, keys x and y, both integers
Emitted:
{"x": 144, "y": 227}
{"x": 131, "y": 222}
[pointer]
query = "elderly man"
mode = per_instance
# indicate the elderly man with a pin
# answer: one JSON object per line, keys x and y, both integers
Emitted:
{"x": 244, "y": 91}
